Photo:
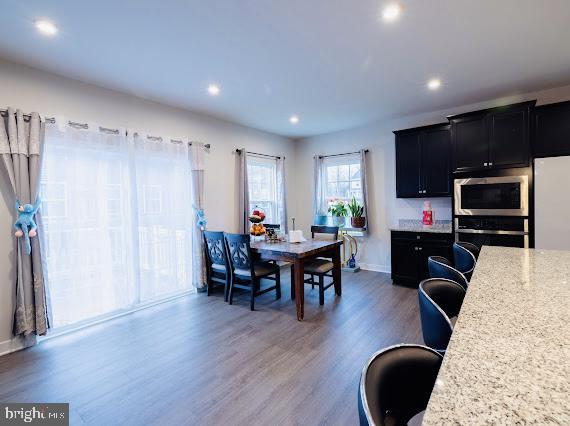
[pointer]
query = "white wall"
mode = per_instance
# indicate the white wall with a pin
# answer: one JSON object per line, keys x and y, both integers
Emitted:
{"x": 48, "y": 94}
{"x": 385, "y": 209}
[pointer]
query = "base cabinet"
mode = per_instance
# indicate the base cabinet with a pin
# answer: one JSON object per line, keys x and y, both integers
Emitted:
{"x": 410, "y": 252}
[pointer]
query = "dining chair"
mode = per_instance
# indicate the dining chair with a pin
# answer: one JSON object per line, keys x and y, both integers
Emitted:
{"x": 217, "y": 265}
{"x": 321, "y": 267}
{"x": 440, "y": 267}
{"x": 246, "y": 273}
{"x": 396, "y": 384}
{"x": 463, "y": 259}
{"x": 440, "y": 301}
{"x": 275, "y": 226}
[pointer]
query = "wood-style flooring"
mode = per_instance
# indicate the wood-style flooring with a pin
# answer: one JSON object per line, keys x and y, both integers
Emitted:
{"x": 198, "y": 360}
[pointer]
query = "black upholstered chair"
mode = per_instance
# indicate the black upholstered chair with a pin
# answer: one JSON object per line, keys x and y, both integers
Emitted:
{"x": 247, "y": 273}
{"x": 321, "y": 267}
{"x": 440, "y": 302}
{"x": 396, "y": 384}
{"x": 217, "y": 264}
{"x": 463, "y": 258}
{"x": 440, "y": 267}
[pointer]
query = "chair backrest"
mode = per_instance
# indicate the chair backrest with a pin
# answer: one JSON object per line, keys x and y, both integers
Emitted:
{"x": 471, "y": 247}
{"x": 215, "y": 248}
{"x": 439, "y": 299}
{"x": 396, "y": 384}
{"x": 331, "y": 231}
{"x": 440, "y": 267}
{"x": 272, "y": 226}
{"x": 239, "y": 251}
{"x": 464, "y": 260}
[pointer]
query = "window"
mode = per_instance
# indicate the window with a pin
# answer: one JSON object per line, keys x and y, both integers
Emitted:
{"x": 114, "y": 238}
{"x": 262, "y": 180}
{"x": 342, "y": 179}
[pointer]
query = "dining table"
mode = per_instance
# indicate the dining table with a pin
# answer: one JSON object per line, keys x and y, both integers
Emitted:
{"x": 298, "y": 254}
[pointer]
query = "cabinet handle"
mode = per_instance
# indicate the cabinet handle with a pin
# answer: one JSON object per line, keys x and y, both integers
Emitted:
{"x": 415, "y": 248}
{"x": 420, "y": 248}
{"x": 490, "y": 164}
{"x": 417, "y": 237}
{"x": 485, "y": 164}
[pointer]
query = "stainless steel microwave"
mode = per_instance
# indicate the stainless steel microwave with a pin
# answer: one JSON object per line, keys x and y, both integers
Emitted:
{"x": 491, "y": 196}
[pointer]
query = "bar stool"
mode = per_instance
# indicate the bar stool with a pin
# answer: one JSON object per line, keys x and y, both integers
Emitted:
{"x": 440, "y": 302}
{"x": 396, "y": 384}
{"x": 464, "y": 259}
{"x": 440, "y": 267}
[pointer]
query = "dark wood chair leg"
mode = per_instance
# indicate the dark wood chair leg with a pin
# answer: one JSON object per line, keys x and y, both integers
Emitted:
{"x": 292, "y": 282}
{"x": 227, "y": 287}
{"x": 321, "y": 290}
{"x": 231, "y": 292}
{"x": 208, "y": 287}
{"x": 312, "y": 282}
{"x": 278, "y": 284}
{"x": 253, "y": 290}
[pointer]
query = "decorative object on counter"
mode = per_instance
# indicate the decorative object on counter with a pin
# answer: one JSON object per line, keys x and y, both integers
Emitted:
{"x": 25, "y": 225}
{"x": 357, "y": 220}
{"x": 256, "y": 218}
{"x": 338, "y": 210}
{"x": 296, "y": 236}
{"x": 427, "y": 215}
{"x": 273, "y": 235}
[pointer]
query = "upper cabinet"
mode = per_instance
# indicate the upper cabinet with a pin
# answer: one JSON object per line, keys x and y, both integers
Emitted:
{"x": 489, "y": 139}
{"x": 552, "y": 130}
{"x": 423, "y": 162}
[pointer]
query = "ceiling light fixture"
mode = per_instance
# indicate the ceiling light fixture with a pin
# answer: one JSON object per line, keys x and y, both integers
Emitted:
{"x": 214, "y": 89}
{"x": 46, "y": 27}
{"x": 434, "y": 84}
{"x": 391, "y": 12}
{"x": 294, "y": 119}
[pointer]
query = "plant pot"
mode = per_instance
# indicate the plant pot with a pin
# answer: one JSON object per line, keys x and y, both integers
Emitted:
{"x": 339, "y": 221}
{"x": 321, "y": 220}
{"x": 358, "y": 222}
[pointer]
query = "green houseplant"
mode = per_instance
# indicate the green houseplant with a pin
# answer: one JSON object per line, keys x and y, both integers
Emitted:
{"x": 357, "y": 220}
{"x": 338, "y": 211}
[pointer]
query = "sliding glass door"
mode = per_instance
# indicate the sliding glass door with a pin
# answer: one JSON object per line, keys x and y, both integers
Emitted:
{"x": 113, "y": 212}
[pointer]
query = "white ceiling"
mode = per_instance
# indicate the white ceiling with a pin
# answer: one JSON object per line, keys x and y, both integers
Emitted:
{"x": 335, "y": 63}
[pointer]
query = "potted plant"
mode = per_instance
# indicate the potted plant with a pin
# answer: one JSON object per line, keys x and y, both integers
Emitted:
{"x": 338, "y": 211}
{"x": 357, "y": 220}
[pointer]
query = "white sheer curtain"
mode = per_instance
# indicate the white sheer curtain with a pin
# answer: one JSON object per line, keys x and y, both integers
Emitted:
{"x": 118, "y": 220}
{"x": 85, "y": 187}
{"x": 282, "y": 194}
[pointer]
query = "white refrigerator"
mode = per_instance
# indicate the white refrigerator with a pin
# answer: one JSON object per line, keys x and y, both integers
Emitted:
{"x": 552, "y": 203}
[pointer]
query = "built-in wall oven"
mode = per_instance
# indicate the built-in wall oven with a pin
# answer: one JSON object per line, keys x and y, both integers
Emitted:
{"x": 492, "y": 210}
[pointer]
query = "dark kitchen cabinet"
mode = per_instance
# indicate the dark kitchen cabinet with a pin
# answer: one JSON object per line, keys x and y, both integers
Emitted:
{"x": 410, "y": 251}
{"x": 491, "y": 139}
{"x": 552, "y": 130}
{"x": 423, "y": 162}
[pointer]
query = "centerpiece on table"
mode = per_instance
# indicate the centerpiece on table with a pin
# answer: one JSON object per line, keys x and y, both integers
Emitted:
{"x": 256, "y": 218}
{"x": 337, "y": 209}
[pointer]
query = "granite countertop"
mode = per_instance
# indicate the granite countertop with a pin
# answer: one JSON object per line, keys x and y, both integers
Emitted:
{"x": 412, "y": 225}
{"x": 508, "y": 361}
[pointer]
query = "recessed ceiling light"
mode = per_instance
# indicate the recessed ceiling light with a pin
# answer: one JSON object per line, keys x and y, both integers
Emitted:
{"x": 434, "y": 84}
{"x": 214, "y": 89}
{"x": 391, "y": 12}
{"x": 294, "y": 119}
{"x": 46, "y": 27}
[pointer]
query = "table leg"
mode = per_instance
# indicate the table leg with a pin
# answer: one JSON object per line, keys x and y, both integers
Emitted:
{"x": 299, "y": 278}
{"x": 337, "y": 271}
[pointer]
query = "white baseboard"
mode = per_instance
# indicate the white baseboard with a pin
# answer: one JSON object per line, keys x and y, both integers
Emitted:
{"x": 16, "y": 344}
{"x": 374, "y": 267}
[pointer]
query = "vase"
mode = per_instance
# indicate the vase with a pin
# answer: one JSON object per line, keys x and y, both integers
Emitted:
{"x": 339, "y": 221}
{"x": 358, "y": 222}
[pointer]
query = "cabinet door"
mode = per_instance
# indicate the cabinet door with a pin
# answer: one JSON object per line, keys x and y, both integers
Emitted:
{"x": 509, "y": 144}
{"x": 436, "y": 162}
{"x": 470, "y": 142}
{"x": 552, "y": 130}
{"x": 428, "y": 249}
{"x": 405, "y": 261}
{"x": 408, "y": 165}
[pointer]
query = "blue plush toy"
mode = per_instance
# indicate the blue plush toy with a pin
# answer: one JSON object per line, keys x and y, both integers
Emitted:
{"x": 201, "y": 218}
{"x": 25, "y": 225}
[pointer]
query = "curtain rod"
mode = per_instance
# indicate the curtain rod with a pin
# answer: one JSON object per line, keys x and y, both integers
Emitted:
{"x": 261, "y": 155}
{"x": 344, "y": 153}
{"x": 52, "y": 120}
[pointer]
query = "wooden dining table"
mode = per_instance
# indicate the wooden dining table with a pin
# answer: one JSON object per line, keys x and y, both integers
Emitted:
{"x": 298, "y": 254}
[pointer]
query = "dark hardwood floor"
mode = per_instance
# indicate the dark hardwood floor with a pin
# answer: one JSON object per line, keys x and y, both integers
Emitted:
{"x": 197, "y": 360}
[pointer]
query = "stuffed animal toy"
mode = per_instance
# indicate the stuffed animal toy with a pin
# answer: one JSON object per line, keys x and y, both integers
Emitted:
{"x": 201, "y": 218}
{"x": 26, "y": 225}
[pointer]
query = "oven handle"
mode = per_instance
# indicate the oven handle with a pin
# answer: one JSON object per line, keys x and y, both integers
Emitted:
{"x": 489, "y": 231}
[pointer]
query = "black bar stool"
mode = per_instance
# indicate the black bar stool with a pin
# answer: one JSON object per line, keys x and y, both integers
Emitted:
{"x": 464, "y": 258}
{"x": 440, "y": 267}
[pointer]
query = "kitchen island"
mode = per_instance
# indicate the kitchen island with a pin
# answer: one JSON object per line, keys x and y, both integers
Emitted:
{"x": 508, "y": 361}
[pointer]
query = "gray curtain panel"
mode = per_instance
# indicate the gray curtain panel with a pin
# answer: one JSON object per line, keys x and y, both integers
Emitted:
{"x": 282, "y": 193}
{"x": 243, "y": 193}
{"x": 318, "y": 187}
{"x": 198, "y": 255}
{"x": 364, "y": 179}
{"x": 21, "y": 145}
